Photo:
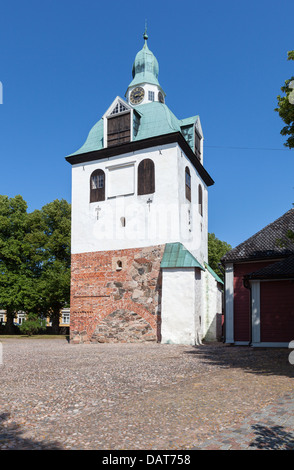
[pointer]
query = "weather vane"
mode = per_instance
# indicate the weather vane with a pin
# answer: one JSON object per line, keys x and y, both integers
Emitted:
{"x": 145, "y": 35}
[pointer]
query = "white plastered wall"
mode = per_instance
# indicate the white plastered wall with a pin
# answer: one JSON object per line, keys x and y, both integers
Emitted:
{"x": 152, "y": 219}
{"x": 191, "y": 300}
{"x": 178, "y": 306}
{"x": 194, "y": 226}
{"x": 212, "y": 307}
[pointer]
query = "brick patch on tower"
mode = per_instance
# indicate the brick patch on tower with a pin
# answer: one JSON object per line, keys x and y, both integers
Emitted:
{"x": 116, "y": 295}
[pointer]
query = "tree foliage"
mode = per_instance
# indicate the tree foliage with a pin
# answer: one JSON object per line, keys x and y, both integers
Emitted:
{"x": 286, "y": 108}
{"x": 32, "y": 325}
{"x": 34, "y": 258}
{"x": 216, "y": 250}
{"x": 55, "y": 276}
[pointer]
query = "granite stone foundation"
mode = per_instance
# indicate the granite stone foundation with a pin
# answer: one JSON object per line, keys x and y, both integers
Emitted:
{"x": 116, "y": 296}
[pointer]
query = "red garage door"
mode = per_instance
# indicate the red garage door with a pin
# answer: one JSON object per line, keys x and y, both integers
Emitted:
{"x": 242, "y": 299}
{"x": 277, "y": 311}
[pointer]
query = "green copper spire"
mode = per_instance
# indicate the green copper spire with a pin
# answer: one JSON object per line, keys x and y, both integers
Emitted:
{"x": 145, "y": 67}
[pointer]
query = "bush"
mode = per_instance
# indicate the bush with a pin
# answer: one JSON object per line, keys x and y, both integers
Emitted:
{"x": 31, "y": 326}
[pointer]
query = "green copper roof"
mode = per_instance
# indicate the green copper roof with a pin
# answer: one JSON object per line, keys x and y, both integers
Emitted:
{"x": 177, "y": 256}
{"x": 154, "y": 119}
{"x": 145, "y": 67}
{"x": 94, "y": 140}
{"x": 213, "y": 273}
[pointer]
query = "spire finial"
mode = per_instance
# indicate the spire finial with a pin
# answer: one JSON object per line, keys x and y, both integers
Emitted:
{"x": 145, "y": 35}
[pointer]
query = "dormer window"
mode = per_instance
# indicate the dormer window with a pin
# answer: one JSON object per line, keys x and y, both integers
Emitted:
{"x": 118, "y": 129}
{"x": 197, "y": 144}
{"x": 118, "y": 123}
{"x": 119, "y": 108}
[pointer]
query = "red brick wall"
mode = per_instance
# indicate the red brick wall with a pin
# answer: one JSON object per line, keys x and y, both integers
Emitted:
{"x": 110, "y": 305}
{"x": 277, "y": 311}
{"x": 242, "y": 299}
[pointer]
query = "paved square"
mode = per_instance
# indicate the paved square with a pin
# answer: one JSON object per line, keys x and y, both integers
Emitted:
{"x": 55, "y": 395}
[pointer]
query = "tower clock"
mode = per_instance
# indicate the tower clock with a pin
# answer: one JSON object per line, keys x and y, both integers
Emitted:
{"x": 137, "y": 95}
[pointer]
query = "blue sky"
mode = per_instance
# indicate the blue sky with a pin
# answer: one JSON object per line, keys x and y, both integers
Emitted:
{"x": 63, "y": 62}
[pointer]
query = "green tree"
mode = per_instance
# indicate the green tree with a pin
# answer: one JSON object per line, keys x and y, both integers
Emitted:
{"x": 54, "y": 283}
{"x": 286, "y": 108}
{"x": 34, "y": 259}
{"x": 216, "y": 250}
{"x": 18, "y": 268}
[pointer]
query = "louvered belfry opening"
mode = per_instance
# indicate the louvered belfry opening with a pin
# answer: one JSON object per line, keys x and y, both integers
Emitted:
{"x": 118, "y": 129}
{"x": 97, "y": 186}
{"x": 146, "y": 177}
{"x": 197, "y": 145}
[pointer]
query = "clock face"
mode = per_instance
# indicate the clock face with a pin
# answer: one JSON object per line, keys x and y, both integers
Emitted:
{"x": 160, "y": 97}
{"x": 137, "y": 95}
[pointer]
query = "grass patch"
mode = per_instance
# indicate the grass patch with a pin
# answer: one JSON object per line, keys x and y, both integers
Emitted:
{"x": 33, "y": 337}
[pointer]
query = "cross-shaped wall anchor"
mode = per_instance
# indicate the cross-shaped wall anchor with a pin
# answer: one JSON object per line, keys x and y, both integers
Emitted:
{"x": 97, "y": 210}
{"x": 149, "y": 202}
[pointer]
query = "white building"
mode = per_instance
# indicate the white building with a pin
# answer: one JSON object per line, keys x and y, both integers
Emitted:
{"x": 139, "y": 223}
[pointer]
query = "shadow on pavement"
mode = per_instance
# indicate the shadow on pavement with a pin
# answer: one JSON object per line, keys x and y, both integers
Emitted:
{"x": 267, "y": 361}
{"x": 11, "y": 438}
{"x": 272, "y": 438}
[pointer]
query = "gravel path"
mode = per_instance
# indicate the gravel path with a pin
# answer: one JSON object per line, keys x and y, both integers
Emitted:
{"x": 55, "y": 395}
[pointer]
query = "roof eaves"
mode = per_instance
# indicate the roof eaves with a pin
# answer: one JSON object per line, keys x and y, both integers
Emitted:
{"x": 217, "y": 278}
{"x": 264, "y": 243}
{"x": 140, "y": 144}
{"x": 282, "y": 269}
{"x": 177, "y": 256}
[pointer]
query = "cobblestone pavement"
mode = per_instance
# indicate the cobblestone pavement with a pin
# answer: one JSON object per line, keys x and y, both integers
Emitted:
{"x": 55, "y": 395}
{"x": 272, "y": 428}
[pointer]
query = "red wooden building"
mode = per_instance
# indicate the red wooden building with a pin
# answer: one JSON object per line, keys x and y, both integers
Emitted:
{"x": 259, "y": 287}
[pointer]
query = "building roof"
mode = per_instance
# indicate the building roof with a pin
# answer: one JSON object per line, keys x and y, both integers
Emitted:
{"x": 283, "y": 269}
{"x": 213, "y": 273}
{"x": 177, "y": 256}
{"x": 94, "y": 140}
{"x": 266, "y": 244}
{"x": 154, "y": 119}
{"x": 127, "y": 147}
{"x": 145, "y": 67}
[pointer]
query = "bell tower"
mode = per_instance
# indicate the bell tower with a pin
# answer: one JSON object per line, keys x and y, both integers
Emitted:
{"x": 139, "y": 221}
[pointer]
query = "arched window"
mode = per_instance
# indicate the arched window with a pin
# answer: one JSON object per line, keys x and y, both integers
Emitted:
{"x": 97, "y": 186}
{"x": 188, "y": 183}
{"x": 200, "y": 200}
{"x": 146, "y": 177}
{"x": 119, "y": 265}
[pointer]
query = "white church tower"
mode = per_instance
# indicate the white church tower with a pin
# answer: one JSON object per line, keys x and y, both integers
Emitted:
{"x": 140, "y": 221}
